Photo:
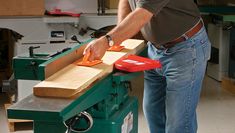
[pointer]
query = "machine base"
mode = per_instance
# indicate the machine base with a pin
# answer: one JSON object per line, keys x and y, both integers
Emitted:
{"x": 125, "y": 120}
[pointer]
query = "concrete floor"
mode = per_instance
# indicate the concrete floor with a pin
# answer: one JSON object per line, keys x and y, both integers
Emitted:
{"x": 216, "y": 110}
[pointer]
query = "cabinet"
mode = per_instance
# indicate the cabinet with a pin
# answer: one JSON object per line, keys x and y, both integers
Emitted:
{"x": 6, "y": 54}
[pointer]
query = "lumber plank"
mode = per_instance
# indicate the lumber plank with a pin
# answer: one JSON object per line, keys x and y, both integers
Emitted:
{"x": 73, "y": 79}
{"x": 57, "y": 65}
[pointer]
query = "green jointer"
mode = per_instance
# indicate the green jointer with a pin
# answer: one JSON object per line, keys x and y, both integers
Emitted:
{"x": 33, "y": 68}
{"x": 109, "y": 107}
{"x": 107, "y": 102}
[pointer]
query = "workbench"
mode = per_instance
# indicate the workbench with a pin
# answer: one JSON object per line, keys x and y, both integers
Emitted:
{"x": 48, "y": 113}
{"x": 106, "y": 101}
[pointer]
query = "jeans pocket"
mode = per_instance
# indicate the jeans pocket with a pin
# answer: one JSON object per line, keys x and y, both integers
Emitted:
{"x": 179, "y": 68}
{"x": 180, "y": 47}
{"x": 169, "y": 52}
{"x": 181, "y": 57}
{"x": 206, "y": 48}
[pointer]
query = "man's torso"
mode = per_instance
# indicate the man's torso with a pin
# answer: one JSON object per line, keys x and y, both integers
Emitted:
{"x": 171, "y": 19}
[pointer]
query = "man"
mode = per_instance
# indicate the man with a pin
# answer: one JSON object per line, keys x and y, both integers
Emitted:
{"x": 178, "y": 39}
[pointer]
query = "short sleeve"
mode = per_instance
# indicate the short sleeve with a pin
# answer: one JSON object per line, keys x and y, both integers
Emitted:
{"x": 154, "y": 6}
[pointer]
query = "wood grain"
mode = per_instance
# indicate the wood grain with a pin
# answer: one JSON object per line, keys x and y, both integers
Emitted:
{"x": 73, "y": 79}
{"x": 62, "y": 62}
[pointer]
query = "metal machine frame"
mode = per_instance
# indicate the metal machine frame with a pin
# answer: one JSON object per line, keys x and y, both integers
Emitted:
{"x": 107, "y": 101}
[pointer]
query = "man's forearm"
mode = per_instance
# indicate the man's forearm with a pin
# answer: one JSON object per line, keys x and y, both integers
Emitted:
{"x": 123, "y": 10}
{"x": 130, "y": 25}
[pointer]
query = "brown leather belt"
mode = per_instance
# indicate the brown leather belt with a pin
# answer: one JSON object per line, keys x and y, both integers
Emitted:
{"x": 186, "y": 35}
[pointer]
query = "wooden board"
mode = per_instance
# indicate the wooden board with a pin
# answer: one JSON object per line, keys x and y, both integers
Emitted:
{"x": 73, "y": 79}
{"x": 62, "y": 62}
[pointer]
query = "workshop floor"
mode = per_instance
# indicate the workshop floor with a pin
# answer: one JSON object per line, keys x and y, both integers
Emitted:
{"x": 216, "y": 110}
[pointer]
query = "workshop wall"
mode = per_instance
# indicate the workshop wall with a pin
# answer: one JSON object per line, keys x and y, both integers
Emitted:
{"x": 22, "y": 7}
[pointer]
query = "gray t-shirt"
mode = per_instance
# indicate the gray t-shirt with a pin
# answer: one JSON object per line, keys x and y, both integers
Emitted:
{"x": 172, "y": 18}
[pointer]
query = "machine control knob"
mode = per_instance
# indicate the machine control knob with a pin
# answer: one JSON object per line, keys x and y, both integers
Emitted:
{"x": 74, "y": 38}
{"x": 31, "y": 48}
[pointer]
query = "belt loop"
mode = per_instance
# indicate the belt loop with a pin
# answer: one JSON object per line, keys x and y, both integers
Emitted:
{"x": 202, "y": 21}
{"x": 185, "y": 36}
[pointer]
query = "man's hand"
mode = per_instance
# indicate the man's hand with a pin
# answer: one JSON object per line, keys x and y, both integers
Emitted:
{"x": 126, "y": 29}
{"x": 97, "y": 48}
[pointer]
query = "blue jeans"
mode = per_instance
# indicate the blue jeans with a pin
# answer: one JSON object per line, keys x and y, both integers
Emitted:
{"x": 171, "y": 94}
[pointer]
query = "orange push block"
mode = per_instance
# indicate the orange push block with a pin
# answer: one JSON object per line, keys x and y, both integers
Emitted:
{"x": 89, "y": 63}
{"x": 86, "y": 62}
{"x": 116, "y": 48}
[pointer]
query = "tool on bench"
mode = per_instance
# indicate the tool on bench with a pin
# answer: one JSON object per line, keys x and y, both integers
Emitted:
{"x": 116, "y": 48}
{"x": 100, "y": 101}
{"x": 134, "y": 63}
{"x": 85, "y": 61}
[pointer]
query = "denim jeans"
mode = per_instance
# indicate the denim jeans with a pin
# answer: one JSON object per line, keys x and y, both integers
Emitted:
{"x": 171, "y": 93}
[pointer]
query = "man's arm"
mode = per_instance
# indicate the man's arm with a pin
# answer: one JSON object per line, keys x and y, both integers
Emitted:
{"x": 127, "y": 28}
{"x": 131, "y": 25}
{"x": 123, "y": 10}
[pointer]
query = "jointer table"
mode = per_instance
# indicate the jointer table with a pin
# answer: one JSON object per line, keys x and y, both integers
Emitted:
{"x": 49, "y": 114}
{"x": 105, "y": 107}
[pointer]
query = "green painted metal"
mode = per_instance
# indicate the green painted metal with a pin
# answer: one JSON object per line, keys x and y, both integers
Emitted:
{"x": 229, "y": 18}
{"x": 119, "y": 77}
{"x": 107, "y": 101}
{"x": 96, "y": 94}
{"x": 41, "y": 54}
{"x": 117, "y": 95}
{"x": 223, "y": 17}
{"x": 113, "y": 124}
{"x": 217, "y": 9}
{"x": 48, "y": 127}
{"x": 34, "y": 115}
{"x": 33, "y": 68}
{"x": 26, "y": 67}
